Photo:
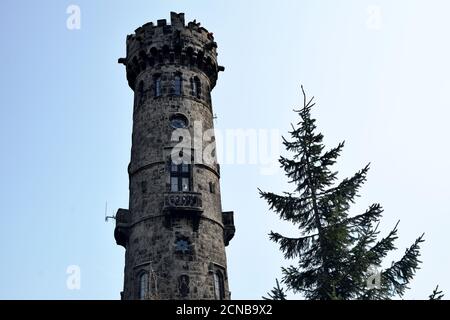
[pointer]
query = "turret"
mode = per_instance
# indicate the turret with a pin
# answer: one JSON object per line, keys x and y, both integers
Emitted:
{"x": 174, "y": 231}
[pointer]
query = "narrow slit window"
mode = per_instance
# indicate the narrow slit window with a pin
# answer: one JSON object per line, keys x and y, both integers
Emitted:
{"x": 212, "y": 187}
{"x": 157, "y": 84}
{"x": 219, "y": 288}
{"x": 177, "y": 85}
{"x": 144, "y": 187}
{"x": 143, "y": 286}
{"x": 196, "y": 87}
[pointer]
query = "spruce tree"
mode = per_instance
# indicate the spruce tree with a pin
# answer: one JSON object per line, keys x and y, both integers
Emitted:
{"x": 337, "y": 253}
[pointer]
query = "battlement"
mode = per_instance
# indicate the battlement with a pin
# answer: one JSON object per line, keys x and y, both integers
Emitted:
{"x": 177, "y": 22}
{"x": 175, "y": 43}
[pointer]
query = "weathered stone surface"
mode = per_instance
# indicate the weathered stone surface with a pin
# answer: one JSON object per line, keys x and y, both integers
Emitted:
{"x": 180, "y": 243}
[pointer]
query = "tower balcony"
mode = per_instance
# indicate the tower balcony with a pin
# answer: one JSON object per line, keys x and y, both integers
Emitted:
{"x": 121, "y": 231}
{"x": 188, "y": 202}
{"x": 229, "y": 228}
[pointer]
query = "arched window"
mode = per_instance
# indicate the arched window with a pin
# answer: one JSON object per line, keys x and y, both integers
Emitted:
{"x": 183, "y": 285}
{"x": 143, "y": 286}
{"x": 219, "y": 289}
{"x": 196, "y": 87}
{"x": 177, "y": 84}
{"x": 157, "y": 85}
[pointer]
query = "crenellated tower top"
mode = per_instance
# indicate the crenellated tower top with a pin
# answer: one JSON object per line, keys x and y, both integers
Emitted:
{"x": 175, "y": 43}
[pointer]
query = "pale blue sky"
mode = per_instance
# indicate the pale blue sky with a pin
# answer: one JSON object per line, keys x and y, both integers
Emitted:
{"x": 65, "y": 127}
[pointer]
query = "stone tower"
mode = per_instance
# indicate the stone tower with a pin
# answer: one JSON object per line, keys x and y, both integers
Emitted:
{"x": 174, "y": 231}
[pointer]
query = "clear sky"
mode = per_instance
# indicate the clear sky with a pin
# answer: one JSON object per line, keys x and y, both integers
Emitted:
{"x": 379, "y": 70}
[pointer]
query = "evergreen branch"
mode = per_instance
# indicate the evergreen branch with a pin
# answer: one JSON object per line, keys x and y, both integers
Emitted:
{"x": 277, "y": 293}
{"x": 436, "y": 295}
{"x": 292, "y": 246}
{"x": 304, "y": 282}
{"x": 287, "y": 207}
{"x": 339, "y": 198}
{"x": 304, "y": 98}
{"x": 357, "y": 179}
{"x": 398, "y": 276}
{"x": 329, "y": 157}
{"x": 382, "y": 247}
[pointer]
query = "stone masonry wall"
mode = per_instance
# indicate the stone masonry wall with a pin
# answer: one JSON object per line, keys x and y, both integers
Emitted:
{"x": 182, "y": 249}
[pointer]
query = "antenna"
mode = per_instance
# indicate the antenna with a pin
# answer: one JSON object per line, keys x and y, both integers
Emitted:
{"x": 106, "y": 212}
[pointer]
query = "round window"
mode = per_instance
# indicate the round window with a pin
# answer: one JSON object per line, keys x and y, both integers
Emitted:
{"x": 178, "y": 121}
